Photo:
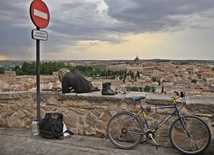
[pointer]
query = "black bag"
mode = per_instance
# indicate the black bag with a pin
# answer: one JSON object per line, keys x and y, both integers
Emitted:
{"x": 51, "y": 126}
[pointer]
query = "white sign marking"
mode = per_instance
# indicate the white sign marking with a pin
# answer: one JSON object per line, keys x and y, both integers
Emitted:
{"x": 39, "y": 35}
{"x": 40, "y": 14}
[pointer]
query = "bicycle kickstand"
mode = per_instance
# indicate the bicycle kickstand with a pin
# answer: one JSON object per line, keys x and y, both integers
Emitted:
{"x": 151, "y": 136}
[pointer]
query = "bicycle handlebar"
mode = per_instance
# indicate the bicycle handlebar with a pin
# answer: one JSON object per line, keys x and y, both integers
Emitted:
{"x": 181, "y": 94}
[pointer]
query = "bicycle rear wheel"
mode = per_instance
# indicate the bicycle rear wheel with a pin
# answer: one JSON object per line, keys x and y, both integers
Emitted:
{"x": 199, "y": 139}
{"x": 123, "y": 130}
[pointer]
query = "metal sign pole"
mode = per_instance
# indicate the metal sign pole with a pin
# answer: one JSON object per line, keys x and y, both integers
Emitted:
{"x": 40, "y": 16}
{"x": 38, "y": 76}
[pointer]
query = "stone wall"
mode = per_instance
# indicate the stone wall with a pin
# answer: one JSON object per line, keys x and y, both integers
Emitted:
{"x": 87, "y": 114}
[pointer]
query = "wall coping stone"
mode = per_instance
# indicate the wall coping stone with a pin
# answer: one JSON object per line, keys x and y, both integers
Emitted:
{"x": 94, "y": 95}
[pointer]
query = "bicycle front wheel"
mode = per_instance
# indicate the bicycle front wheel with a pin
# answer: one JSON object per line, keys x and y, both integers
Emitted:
{"x": 123, "y": 130}
{"x": 198, "y": 139}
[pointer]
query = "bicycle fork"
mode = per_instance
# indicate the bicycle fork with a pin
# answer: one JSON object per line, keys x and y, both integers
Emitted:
{"x": 184, "y": 126}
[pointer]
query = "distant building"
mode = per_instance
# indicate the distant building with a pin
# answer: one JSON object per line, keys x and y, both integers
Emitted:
{"x": 10, "y": 73}
{"x": 117, "y": 67}
{"x": 136, "y": 59}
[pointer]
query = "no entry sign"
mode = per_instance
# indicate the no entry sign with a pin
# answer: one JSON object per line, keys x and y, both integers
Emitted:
{"x": 39, "y": 14}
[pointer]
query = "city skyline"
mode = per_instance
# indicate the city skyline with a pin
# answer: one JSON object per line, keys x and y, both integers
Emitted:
{"x": 109, "y": 29}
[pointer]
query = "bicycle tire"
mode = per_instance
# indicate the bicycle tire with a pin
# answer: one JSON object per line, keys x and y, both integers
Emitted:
{"x": 119, "y": 127}
{"x": 198, "y": 141}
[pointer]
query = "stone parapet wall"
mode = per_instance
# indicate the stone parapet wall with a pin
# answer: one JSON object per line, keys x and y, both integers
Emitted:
{"x": 87, "y": 114}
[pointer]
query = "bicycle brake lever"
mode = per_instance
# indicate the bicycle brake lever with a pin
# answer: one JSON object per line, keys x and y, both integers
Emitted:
{"x": 176, "y": 93}
{"x": 182, "y": 94}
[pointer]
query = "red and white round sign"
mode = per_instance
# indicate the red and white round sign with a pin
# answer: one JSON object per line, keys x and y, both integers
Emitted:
{"x": 39, "y": 13}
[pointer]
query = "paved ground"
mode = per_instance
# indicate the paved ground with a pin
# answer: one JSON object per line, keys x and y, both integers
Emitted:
{"x": 15, "y": 141}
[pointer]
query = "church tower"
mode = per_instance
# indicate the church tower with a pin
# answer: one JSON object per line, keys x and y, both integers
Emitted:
{"x": 136, "y": 59}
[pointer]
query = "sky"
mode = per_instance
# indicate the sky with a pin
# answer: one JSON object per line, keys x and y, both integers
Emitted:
{"x": 110, "y": 30}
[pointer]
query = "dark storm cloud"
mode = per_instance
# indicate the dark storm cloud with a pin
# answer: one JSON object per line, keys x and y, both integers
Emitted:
{"x": 13, "y": 13}
{"x": 80, "y": 20}
{"x": 14, "y": 29}
{"x": 155, "y": 15}
{"x": 76, "y": 21}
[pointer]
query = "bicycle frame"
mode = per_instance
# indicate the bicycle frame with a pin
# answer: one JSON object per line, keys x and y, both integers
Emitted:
{"x": 175, "y": 112}
{"x": 164, "y": 120}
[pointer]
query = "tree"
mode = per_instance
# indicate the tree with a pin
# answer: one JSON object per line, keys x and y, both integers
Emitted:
{"x": 138, "y": 74}
{"x": 194, "y": 81}
{"x": 132, "y": 88}
{"x": 149, "y": 89}
{"x": 46, "y": 68}
{"x": 29, "y": 68}
{"x": 132, "y": 75}
{"x": 2, "y": 69}
{"x": 153, "y": 89}
{"x": 125, "y": 75}
{"x": 18, "y": 70}
{"x": 154, "y": 79}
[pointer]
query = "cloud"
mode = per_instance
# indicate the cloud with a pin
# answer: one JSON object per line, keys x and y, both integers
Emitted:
{"x": 97, "y": 17}
{"x": 106, "y": 25}
{"x": 150, "y": 16}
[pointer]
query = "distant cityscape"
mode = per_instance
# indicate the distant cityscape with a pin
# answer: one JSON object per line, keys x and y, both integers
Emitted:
{"x": 196, "y": 77}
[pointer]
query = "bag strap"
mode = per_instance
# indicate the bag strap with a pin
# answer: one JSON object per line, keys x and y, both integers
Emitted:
{"x": 68, "y": 131}
{"x": 44, "y": 120}
{"x": 56, "y": 135}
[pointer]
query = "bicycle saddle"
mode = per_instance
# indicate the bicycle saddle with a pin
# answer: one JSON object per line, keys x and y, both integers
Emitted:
{"x": 137, "y": 98}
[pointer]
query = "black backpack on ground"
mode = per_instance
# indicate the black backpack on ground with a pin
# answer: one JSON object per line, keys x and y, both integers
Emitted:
{"x": 51, "y": 126}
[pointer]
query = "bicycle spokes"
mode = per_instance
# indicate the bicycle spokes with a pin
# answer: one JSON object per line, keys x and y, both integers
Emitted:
{"x": 191, "y": 137}
{"x": 123, "y": 130}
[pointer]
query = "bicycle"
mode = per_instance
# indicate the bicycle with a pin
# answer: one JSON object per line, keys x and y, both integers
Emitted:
{"x": 188, "y": 134}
